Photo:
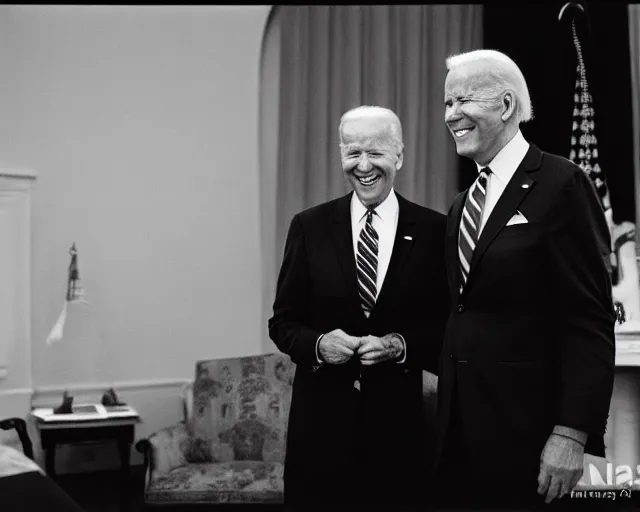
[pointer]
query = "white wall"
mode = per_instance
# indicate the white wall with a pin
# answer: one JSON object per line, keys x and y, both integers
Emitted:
{"x": 142, "y": 124}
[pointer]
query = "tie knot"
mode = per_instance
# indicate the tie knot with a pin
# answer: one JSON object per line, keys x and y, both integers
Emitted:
{"x": 484, "y": 175}
{"x": 370, "y": 212}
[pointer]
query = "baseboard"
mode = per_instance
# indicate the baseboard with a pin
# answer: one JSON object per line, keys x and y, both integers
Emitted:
{"x": 158, "y": 401}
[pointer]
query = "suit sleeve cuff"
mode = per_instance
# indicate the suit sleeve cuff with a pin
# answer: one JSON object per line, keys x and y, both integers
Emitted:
{"x": 403, "y": 355}
{"x": 320, "y": 362}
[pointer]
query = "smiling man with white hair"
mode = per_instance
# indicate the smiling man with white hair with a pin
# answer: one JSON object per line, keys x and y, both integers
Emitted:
{"x": 360, "y": 307}
{"x": 528, "y": 357}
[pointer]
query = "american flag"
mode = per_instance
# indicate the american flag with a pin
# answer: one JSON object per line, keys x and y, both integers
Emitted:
{"x": 584, "y": 152}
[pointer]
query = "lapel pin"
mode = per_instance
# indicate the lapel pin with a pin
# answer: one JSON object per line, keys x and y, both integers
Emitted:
{"x": 525, "y": 185}
{"x": 408, "y": 238}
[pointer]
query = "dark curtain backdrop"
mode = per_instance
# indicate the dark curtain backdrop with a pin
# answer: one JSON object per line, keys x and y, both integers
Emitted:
{"x": 543, "y": 48}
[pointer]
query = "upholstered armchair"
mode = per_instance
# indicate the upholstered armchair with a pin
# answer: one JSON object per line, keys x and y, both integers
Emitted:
{"x": 230, "y": 448}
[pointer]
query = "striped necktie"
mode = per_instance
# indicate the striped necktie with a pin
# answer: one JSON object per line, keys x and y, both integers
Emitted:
{"x": 367, "y": 264}
{"x": 470, "y": 223}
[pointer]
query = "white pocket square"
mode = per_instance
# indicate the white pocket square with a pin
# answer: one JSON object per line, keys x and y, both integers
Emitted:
{"x": 518, "y": 218}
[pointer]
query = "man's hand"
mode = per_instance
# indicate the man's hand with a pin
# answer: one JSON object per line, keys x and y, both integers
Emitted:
{"x": 375, "y": 350}
{"x": 561, "y": 467}
{"x": 337, "y": 347}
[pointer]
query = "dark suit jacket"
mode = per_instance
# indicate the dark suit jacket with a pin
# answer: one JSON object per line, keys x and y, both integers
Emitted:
{"x": 530, "y": 342}
{"x": 331, "y": 424}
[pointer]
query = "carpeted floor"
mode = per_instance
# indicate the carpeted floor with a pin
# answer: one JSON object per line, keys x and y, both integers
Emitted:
{"x": 104, "y": 492}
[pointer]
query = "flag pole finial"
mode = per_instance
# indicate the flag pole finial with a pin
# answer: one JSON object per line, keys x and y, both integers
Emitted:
{"x": 74, "y": 275}
{"x": 572, "y": 5}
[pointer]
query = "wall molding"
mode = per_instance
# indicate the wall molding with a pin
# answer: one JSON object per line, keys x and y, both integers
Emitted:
{"x": 46, "y": 393}
{"x": 29, "y": 174}
{"x": 15, "y": 276}
{"x": 16, "y": 391}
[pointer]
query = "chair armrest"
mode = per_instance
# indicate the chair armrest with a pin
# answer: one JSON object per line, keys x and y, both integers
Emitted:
{"x": 164, "y": 450}
{"x": 143, "y": 446}
{"x": 186, "y": 394}
{"x": 21, "y": 427}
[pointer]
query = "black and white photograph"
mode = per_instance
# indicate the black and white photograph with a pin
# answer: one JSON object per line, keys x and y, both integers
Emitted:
{"x": 320, "y": 257}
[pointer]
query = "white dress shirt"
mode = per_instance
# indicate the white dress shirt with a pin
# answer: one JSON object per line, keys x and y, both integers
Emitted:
{"x": 503, "y": 167}
{"x": 385, "y": 222}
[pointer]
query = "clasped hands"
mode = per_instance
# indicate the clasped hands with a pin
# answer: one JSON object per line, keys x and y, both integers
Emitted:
{"x": 337, "y": 347}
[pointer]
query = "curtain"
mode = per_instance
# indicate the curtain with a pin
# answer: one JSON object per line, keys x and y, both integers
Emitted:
{"x": 331, "y": 59}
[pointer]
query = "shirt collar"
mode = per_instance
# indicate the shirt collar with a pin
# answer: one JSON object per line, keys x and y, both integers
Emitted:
{"x": 385, "y": 210}
{"x": 505, "y": 163}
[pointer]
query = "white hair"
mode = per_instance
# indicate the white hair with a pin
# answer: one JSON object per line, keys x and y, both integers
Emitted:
{"x": 370, "y": 111}
{"x": 504, "y": 71}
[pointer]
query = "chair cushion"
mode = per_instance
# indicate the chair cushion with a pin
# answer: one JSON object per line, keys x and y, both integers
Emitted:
{"x": 240, "y": 409}
{"x": 223, "y": 482}
{"x": 14, "y": 462}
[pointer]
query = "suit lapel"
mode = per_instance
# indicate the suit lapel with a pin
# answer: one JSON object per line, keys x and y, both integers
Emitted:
{"x": 401, "y": 249}
{"x": 453, "y": 228}
{"x": 517, "y": 189}
{"x": 343, "y": 243}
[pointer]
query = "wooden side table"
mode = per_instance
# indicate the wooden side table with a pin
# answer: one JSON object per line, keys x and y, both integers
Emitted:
{"x": 120, "y": 430}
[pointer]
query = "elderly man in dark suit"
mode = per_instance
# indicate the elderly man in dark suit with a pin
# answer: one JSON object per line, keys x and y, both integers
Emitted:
{"x": 360, "y": 307}
{"x": 528, "y": 357}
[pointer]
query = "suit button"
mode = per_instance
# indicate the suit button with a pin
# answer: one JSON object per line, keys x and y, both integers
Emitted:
{"x": 451, "y": 356}
{"x": 460, "y": 308}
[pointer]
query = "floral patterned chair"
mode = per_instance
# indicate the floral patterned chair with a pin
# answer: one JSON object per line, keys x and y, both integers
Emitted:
{"x": 231, "y": 446}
